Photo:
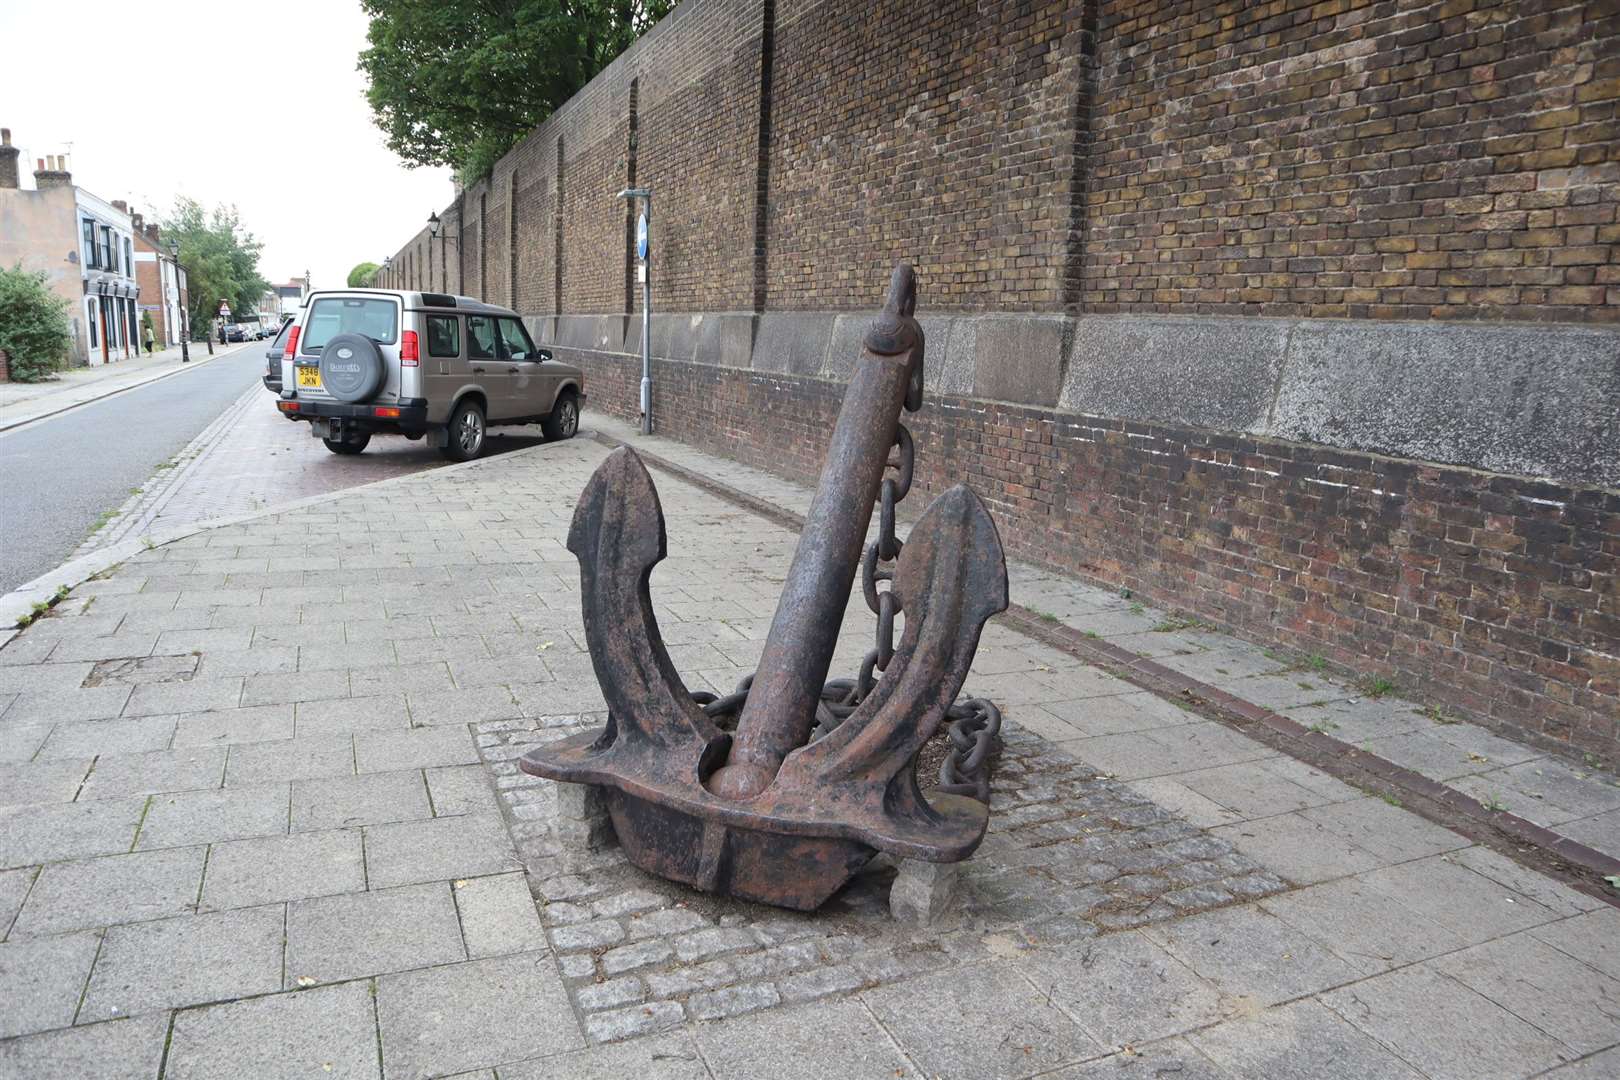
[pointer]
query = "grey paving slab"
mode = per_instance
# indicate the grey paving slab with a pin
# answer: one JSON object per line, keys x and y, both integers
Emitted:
{"x": 1444, "y": 1029}
{"x": 22, "y": 742}
{"x": 1593, "y": 938}
{"x": 304, "y": 686}
{"x": 89, "y": 893}
{"x": 414, "y": 749}
{"x": 473, "y": 1015}
{"x": 268, "y": 869}
{"x": 87, "y": 738}
{"x": 1545, "y": 791}
{"x": 130, "y": 1049}
{"x": 14, "y": 886}
{"x": 1544, "y": 987}
{"x": 198, "y": 695}
{"x": 1600, "y": 832}
{"x": 1251, "y": 790}
{"x": 369, "y": 799}
{"x": 1251, "y": 953}
{"x": 292, "y": 759}
{"x": 426, "y": 678}
{"x": 444, "y": 848}
{"x": 1298, "y": 848}
{"x": 1454, "y": 896}
{"x": 1605, "y": 1064}
{"x": 1119, "y": 714}
{"x": 339, "y": 716}
{"x": 41, "y": 980}
{"x": 327, "y": 1031}
{"x": 1123, "y": 990}
{"x": 1359, "y": 720}
{"x": 54, "y": 706}
{"x": 205, "y": 817}
{"x": 349, "y": 654}
{"x": 44, "y": 676}
{"x": 1392, "y": 834}
{"x": 227, "y": 727}
{"x": 1552, "y": 895}
{"x": 186, "y": 961}
{"x": 660, "y": 1057}
{"x": 808, "y": 1042}
{"x": 460, "y": 789}
{"x": 1033, "y": 1034}
{"x": 263, "y": 660}
{"x": 1168, "y": 750}
{"x": 37, "y": 834}
{"x": 498, "y": 915}
{"x": 334, "y": 938}
{"x": 1297, "y": 1040}
{"x": 1370, "y": 928}
{"x": 190, "y": 768}
{"x": 462, "y": 707}
{"x": 42, "y": 781}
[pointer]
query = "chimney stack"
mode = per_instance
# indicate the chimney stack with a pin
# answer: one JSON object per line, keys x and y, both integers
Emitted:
{"x": 9, "y": 176}
{"x": 52, "y": 173}
{"x": 121, "y": 206}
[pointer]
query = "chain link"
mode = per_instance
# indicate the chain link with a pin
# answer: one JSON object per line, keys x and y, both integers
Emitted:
{"x": 972, "y": 724}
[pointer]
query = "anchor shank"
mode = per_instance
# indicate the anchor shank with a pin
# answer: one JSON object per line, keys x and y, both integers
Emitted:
{"x": 781, "y": 705}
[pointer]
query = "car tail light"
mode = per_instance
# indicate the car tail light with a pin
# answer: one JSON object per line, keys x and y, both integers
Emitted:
{"x": 408, "y": 350}
{"x": 292, "y": 343}
{"x": 287, "y": 406}
{"x": 384, "y": 410}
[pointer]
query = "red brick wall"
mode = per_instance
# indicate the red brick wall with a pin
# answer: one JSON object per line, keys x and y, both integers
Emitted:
{"x": 1356, "y": 158}
{"x": 1496, "y": 594}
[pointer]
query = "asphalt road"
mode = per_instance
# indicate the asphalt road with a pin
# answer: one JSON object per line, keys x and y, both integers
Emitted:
{"x": 58, "y": 476}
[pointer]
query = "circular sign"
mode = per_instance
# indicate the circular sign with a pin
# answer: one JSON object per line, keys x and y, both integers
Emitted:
{"x": 641, "y": 236}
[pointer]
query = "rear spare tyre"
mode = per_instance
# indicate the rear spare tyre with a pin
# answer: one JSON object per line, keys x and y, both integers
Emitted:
{"x": 352, "y": 368}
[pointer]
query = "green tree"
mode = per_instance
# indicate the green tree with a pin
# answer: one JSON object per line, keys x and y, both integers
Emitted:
{"x": 361, "y": 274}
{"x": 460, "y": 82}
{"x": 34, "y": 329}
{"x": 220, "y": 258}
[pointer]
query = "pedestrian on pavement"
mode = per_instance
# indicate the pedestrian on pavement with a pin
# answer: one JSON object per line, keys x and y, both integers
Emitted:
{"x": 148, "y": 339}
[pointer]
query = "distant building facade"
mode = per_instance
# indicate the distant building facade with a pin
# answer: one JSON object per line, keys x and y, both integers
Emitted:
{"x": 162, "y": 283}
{"x": 83, "y": 244}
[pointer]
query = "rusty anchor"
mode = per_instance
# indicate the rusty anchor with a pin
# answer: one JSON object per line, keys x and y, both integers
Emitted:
{"x": 803, "y": 795}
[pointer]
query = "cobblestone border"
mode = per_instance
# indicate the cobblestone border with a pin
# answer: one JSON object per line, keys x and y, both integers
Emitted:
{"x": 1070, "y": 854}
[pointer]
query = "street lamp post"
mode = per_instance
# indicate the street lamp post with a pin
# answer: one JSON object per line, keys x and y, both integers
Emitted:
{"x": 644, "y": 252}
{"x": 433, "y": 230}
{"x": 185, "y": 331}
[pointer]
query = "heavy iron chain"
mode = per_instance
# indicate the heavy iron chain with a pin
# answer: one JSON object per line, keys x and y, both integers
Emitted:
{"x": 972, "y": 724}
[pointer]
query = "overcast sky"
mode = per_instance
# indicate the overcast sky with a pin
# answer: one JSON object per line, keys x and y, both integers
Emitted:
{"x": 254, "y": 104}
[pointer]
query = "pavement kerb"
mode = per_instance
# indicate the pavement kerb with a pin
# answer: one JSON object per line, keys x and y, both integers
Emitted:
{"x": 20, "y": 601}
{"x": 1521, "y": 840}
{"x": 196, "y": 362}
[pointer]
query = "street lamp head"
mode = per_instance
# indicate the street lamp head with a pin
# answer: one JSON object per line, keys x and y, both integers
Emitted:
{"x": 174, "y": 249}
{"x": 433, "y": 223}
{"x": 388, "y": 261}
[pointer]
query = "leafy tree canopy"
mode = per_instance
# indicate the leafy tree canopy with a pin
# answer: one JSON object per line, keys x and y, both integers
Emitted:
{"x": 33, "y": 325}
{"x": 361, "y": 274}
{"x": 221, "y": 260}
{"x": 460, "y": 82}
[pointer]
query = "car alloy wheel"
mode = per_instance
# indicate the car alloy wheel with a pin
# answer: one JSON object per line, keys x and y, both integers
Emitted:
{"x": 471, "y": 432}
{"x": 569, "y": 418}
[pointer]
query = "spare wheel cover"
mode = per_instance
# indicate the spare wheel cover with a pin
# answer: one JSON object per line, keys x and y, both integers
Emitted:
{"x": 351, "y": 367}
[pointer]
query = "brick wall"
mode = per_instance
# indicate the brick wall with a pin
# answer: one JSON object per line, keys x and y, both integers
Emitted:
{"x": 1497, "y": 595}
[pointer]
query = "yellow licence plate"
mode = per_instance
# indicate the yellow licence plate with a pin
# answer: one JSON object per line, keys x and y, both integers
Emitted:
{"x": 309, "y": 376}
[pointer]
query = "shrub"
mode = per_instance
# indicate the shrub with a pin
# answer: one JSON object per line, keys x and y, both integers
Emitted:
{"x": 33, "y": 325}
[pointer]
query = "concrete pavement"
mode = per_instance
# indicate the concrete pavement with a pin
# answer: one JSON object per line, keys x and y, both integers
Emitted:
{"x": 263, "y": 819}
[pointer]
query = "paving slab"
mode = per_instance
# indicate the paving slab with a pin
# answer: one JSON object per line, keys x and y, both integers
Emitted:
{"x": 38, "y": 834}
{"x": 24, "y": 783}
{"x": 181, "y": 818}
{"x": 808, "y": 1042}
{"x": 1443, "y": 1028}
{"x": 333, "y": 938}
{"x": 268, "y": 869}
{"x": 41, "y": 980}
{"x": 1169, "y": 1058}
{"x": 1368, "y": 927}
{"x": 417, "y": 748}
{"x": 91, "y": 893}
{"x": 14, "y": 886}
{"x": 1592, "y": 938}
{"x": 191, "y": 768}
{"x": 498, "y": 915}
{"x": 186, "y": 961}
{"x": 460, "y": 789}
{"x": 1551, "y": 990}
{"x": 472, "y": 1015}
{"x": 1451, "y": 894}
{"x": 369, "y": 799}
{"x": 325, "y": 1031}
{"x": 660, "y": 1057}
{"x": 130, "y": 1049}
{"x": 940, "y": 1020}
{"x": 291, "y": 759}
{"x": 342, "y": 716}
{"x": 1248, "y": 952}
{"x": 443, "y": 848}
{"x": 87, "y": 738}
{"x": 1298, "y": 1040}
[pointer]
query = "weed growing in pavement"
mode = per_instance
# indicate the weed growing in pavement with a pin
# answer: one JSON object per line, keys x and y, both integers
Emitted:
{"x": 1392, "y": 800}
{"x": 1324, "y": 726}
{"x": 42, "y": 608}
{"x": 1181, "y": 622}
{"x": 1137, "y": 609}
{"x": 101, "y": 522}
{"x": 1045, "y": 616}
{"x": 1439, "y": 714}
{"x": 1092, "y": 634}
{"x": 1316, "y": 662}
{"x": 1494, "y": 805}
{"x": 1374, "y": 686}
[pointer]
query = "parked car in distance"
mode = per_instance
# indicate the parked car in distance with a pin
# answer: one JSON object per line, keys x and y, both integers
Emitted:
{"x": 272, "y": 358}
{"x": 364, "y": 362}
{"x": 233, "y": 332}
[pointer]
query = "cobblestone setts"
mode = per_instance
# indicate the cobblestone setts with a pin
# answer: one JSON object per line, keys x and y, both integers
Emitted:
{"x": 1070, "y": 854}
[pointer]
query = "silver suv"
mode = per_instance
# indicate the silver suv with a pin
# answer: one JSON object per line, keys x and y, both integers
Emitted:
{"x": 364, "y": 362}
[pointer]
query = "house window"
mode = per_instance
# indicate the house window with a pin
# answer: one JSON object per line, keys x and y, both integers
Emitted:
{"x": 106, "y": 262}
{"x": 129, "y": 260}
{"x": 95, "y": 341}
{"x": 90, "y": 260}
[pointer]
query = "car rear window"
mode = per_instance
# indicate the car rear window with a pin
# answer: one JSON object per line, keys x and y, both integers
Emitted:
{"x": 330, "y": 316}
{"x": 280, "y": 344}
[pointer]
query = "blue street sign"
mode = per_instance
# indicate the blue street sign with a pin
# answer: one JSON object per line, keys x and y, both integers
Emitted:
{"x": 641, "y": 236}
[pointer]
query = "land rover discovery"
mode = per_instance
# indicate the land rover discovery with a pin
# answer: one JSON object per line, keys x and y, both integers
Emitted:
{"x": 364, "y": 362}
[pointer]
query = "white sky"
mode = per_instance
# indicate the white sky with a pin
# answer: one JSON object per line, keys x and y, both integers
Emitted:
{"x": 294, "y": 146}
